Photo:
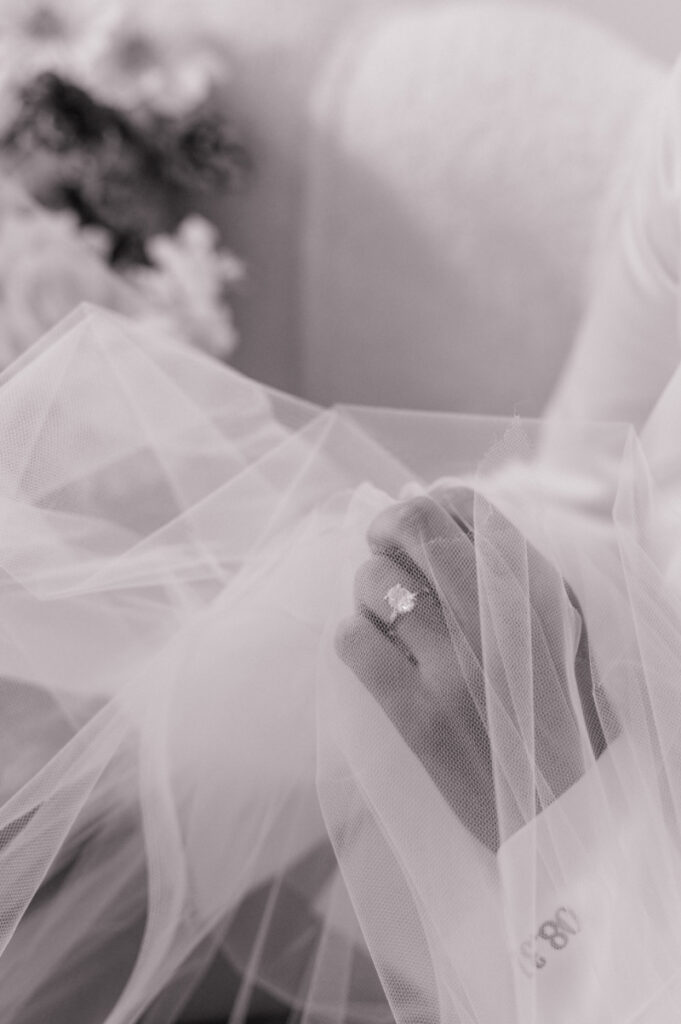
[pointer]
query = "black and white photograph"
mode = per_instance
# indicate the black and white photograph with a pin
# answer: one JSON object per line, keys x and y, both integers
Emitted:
{"x": 340, "y": 511}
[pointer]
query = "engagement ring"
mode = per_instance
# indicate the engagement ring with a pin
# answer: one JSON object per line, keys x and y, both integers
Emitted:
{"x": 401, "y": 601}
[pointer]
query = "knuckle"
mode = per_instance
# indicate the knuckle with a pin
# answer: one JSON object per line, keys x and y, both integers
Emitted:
{"x": 407, "y": 520}
{"x": 459, "y": 503}
{"x": 420, "y": 514}
{"x": 347, "y": 638}
{"x": 367, "y": 580}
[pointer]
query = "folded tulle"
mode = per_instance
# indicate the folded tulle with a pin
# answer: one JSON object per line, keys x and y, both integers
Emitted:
{"x": 216, "y": 746}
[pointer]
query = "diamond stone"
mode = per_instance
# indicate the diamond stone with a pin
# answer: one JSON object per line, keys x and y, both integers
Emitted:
{"x": 400, "y": 600}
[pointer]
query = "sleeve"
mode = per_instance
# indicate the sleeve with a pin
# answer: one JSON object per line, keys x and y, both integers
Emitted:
{"x": 628, "y": 346}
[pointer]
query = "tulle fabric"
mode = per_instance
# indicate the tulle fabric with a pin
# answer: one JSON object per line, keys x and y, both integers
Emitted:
{"x": 216, "y": 748}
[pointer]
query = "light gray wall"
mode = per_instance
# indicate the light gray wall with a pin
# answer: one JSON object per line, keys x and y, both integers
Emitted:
{"x": 276, "y": 61}
{"x": 654, "y": 25}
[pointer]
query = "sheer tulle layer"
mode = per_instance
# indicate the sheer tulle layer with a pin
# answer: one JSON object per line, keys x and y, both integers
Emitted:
{"x": 217, "y": 745}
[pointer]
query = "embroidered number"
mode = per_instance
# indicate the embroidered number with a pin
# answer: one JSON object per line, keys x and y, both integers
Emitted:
{"x": 552, "y": 933}
{"x": 568, "y": 920}
{"x": 529, "y": 959}
{"x": 555, "y": 933}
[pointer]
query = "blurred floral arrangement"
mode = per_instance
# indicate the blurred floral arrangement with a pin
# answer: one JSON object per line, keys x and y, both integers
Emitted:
{"x": 113, "y": 143}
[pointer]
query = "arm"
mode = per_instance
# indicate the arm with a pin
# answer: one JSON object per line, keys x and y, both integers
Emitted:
{"x": 628, "y": 346}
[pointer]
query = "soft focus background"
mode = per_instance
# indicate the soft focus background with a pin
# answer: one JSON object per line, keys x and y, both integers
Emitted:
{"x": 433, "y": 181}
{"x": 419, "y": 192}
{"x": 654, "y": 26}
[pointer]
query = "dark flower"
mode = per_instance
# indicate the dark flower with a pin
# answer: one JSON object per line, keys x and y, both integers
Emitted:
{"x": 136, "y": 174}
{"x": 74, "y": 152}
{"x": 57, "y": 115}
{"x": 202, "y": 152}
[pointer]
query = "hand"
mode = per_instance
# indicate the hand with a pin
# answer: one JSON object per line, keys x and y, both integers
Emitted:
{"x": 482, "y": 713}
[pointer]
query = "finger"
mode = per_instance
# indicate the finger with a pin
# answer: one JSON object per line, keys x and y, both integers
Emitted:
{"x": 528, "y": 607}
{"x": 449, "y": 739}
{"x": 422, "y": 538}
{"x": 595, "y": 706}
{"x": 422, "y": 629}
{"x": 388, "y": 674}
{"x": 406, "y": 529}
{"x": 532, "y": 581}
{"x": 459, "y": 503}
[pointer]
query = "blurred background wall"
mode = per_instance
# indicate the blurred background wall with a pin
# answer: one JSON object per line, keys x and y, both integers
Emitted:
{"x": 654, "y": 25}
{"x": 432, "y": 177}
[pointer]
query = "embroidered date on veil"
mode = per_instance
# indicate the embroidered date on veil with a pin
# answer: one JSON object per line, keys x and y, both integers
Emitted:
{"x": 553, "y": 936}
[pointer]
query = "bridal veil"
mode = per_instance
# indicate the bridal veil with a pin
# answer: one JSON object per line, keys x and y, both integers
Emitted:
{"x": 215, "y": 745}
